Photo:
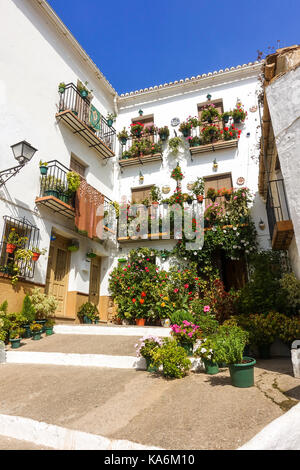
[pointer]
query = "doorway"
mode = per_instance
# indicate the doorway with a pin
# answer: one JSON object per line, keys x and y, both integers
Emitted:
{"x": 58, "y": 273}
{"x": 95, "y": 272}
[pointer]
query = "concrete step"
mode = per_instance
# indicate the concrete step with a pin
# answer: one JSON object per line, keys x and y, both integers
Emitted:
{"x": 112, "y": 330}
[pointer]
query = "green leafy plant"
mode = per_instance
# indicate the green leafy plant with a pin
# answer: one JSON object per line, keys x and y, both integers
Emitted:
{"x": 147, "y": 345}
{"x": 123, "y": 134}
{"x": 74, "y": 181}
{"x": 44, "y": 305}
{"x": 36, "y": 327}
{"x": 173, "y": 358}
{"x": 15, "y": 239}
{"x": 230, "y": 342}
{"x": 209, "y": 113}
{"x": 291, "y": 285}
{"x": 174, "y": 144}
{"x": 155, "y": 194}
{"x": 210, "y": 133}
{"x": 163, "y": 132}
{"x": 43, "y": 163}
{"x": 179, "y": 316}
{"x": 89, "y": 310}
{"x": 28, "y": 310}
{"x": 177, "y": 173}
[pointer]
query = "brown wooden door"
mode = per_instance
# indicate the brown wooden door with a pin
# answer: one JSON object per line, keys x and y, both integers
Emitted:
{"x": 94, "y": 293}
{"x": 140, "y": 194}
{"x": 217, "y": 182}
{"x": 58, "y": 273}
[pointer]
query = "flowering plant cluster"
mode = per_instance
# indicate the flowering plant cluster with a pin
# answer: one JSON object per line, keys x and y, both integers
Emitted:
{"x": 136, "y": 128}
{"x": 186, "y": 333}
{"x": 230, "y": 133}
{"x": 209, "y": 113}
{"x": 177, "y": 174}
{"x": 152, "y": 129}
{"x": 194, "y": 121}
{"x": 15, "y": 239}
{"x": 163, "y": 132}
{"x": 204, "y": 348}
{"x": 185, "y": 126}
{"x": 239, "y": 114}
{"x": 210, "y": 133}
{"x": 214, "y": 213}
{"x": 147, "y": 345}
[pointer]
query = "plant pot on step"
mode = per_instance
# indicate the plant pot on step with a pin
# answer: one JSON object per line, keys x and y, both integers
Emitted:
{"x": 41, "y": 322}
{"x": 211, "y": 368}
{"x": 150, "y": 368}
{"x": 15, "y": 343}
{"x": 242, "y": 375}
{"x": 87, "y": 320}
{"x": 49, "y": 330}
{"x": 36, "y": 336}
{"x": 140, "y": 321}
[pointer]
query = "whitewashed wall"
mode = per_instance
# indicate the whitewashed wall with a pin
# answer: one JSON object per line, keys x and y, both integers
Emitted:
{"x": 283, "y": 96}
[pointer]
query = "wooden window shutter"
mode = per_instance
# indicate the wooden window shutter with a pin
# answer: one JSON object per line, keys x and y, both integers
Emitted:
{"x": 76, "y": 166}
{"x": 217, "y": 182}
{"x": 140, "y": 194}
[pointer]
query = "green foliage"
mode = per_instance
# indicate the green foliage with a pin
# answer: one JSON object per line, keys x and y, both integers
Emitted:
{"x": 147, "y": 345}
{"x": 49, "y": 323}
{"x": 291, "y": 285}
{"x": 89, "y": 310}
{"x": 74, "y": 181}
{"x": 198, "y": 187}
{"x": 36, "y": 327}
{"x": 179, "y": 315}
{"x": 174, "y": 144}
{"x": 28, "y": 310}
{"x": 206, "y": 349}
{"x": 3, "y": 307}
{"x": 173, "y": 358}
{"x": 206, "y": 321}
{"x": 44, "y": 305}
{"x": 229, "y": 343}
{"x": 263, "y": 292}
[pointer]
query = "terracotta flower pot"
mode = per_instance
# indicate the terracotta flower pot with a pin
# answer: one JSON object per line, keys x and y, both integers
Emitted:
{"x": 140, "y": 321}
{"x": 200, "y": 198}
{"x": 35, "y": 256}
{"x": 10, "y": 247}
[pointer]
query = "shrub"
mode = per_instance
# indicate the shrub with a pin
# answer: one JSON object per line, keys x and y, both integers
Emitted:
{"x": 147, "y": 345}
{"x": 180, "y": 315}
{"x": 230, "y": 342}
{"x": 173, "y": 358}
{"x": 89, "y": 310}
{"x": 28, "y": 310}
{"x": 36, "y": 327}
{"x": 44, "y": 305}
{"x": 291, "y": 285}
{"x": 206, "y": 349}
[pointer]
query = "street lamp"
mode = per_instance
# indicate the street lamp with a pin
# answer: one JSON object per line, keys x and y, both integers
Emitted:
{"x": 23, "y": 153}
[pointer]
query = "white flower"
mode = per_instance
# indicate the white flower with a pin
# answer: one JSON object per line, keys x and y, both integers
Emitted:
{"x": 224, "y": 231}
{"x": 234, "y": 228}
{"x": 237, "y": 234}
{"x": 247, "y": 251}
{"x": 203, "y": 350}
{"x": 234, "y": 247}
{"x": 214, "y": 229}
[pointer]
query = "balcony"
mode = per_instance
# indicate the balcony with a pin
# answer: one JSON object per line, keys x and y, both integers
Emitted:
{"x": 222, "y": 141}
{"x": 85, "y": 120}
{"x": 279, "y": 219}
{"x": 54, "y": 192}
{"x": 139, "y": 150}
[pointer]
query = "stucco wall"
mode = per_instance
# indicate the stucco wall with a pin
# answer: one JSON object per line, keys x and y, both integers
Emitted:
{"x": 283, "y": 96}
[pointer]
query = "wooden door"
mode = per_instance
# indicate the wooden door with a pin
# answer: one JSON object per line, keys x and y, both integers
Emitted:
{"x": 217, "y": 182}
{"x": 94, "y": 292}
{"x": 58, "y": 273}
{"x": 140, "y": 194}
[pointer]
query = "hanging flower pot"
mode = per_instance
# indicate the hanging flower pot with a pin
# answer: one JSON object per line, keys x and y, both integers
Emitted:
{"x": 84, "y": 93}
{"x": 186, "y": 132}
{"x": 91, "y": 255}
{"x": 123, "y": 140}
{"x": 35, "y": 256}
{"x": 43, "y": 170}
{"x": 141, "y": 112}
{"x": 110, "y": 122}
{"x": 200, "y": 198}
{"x": 10, "y": 247}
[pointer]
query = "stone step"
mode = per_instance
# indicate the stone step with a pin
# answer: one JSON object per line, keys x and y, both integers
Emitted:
{"x": 112, "y": 330}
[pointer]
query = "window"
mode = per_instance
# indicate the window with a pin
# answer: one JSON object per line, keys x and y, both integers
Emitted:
{"x": 217, "y": 182}
{"x": 139, "y": 195}
{"x": 76, "y": 165}
{"x": 219, "y": 106}
{"x": 148, "y": 121}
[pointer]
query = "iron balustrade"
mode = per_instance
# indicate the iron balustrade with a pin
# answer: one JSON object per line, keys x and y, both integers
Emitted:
{"x": 55, "y": 183}
{"x": 71, "y": 100}
{"x": 142, "y": 143}
{"x": 276, "y": 205}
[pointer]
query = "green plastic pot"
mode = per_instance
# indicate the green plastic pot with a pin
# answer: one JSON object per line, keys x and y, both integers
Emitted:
{"x": 242, "y": 375}
{"x": 49, "y": 330}
{"x": 41, "y": 322}
{"x": 149, "y": 367}
{"x": 27, "y": 332}
{"x": 36, "y": 336}
{"x": 110, "y": 122}
{"x": 87, "y": 320}
{"x": 163, "y": 137}
{"x": 84, "y": 93}
{"x": 123, "y": 140}
{"x": 211, "y": 368}
{"x": 43, "y": 170}
{"x": 186, "y": 132}
{"x": 52, "y": 192}
{"x": 15, "y": 343}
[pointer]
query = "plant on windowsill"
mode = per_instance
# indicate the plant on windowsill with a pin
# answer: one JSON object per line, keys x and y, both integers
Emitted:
{"x": 174, "y": 144}
{"x": 212, "y": 194}
{"x": 123, "y": 136}
{"x": 185, "y": 128}
{"x": 163, "y": 133}
{"x": 150, "y": 130}
{"x": 84, "y": 92}
{"x": 194, "y": 141}
{"x": 155, "y": 148}
{"x": 126, "y": 154}
{"x": 226, "y": 193}
{"x": 14, "y": 240}
{"x": 226, "y": 116}
{"x": 209, "y": 113}
{"x": 210, "y": 133}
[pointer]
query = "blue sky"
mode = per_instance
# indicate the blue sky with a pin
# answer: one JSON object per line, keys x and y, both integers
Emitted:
{"x": 137, "y": 44}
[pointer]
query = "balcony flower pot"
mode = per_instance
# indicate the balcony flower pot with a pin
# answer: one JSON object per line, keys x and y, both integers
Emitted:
{"x": 140, "y": 321}
{"x": 10, "y": 247}
{"x": 43, "y": 170}
{"x": 52, "y": 192}
{"x": 211, "y": 368}
{"x": 110, "y": 122}
{"x": 163, "y": 137}
{"x": 242, "y": 375}
{"x": 36, "y": 336}
{"x": 49, "y": 330}
{"x": 15, "y": 343}
{"x": 84, "y": 93}
{"x": 73, "y": 248}
{"x": 237, "y": 120}
{"x": 186, "y": 132}
{"x": 35, "y": 256}
{"x": 123, "y": 140}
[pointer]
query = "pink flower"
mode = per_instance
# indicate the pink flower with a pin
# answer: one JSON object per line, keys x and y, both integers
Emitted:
{"x": 206, "y": 308}
{"x": 176, "y": 290}
{"x": 186, "y": 286}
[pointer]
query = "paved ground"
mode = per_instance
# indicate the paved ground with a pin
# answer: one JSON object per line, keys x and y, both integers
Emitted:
{"x": 82, "y": 344}
{"x": 197, "y": 412}
{"x": 6, "y": 443}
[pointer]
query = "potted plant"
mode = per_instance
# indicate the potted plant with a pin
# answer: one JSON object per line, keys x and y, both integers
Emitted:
{"x": 126, "y": 154}
{"x": 145, "y": 348}
{"x": 210, "y": 133}
{"x": 172, "y": 357}
{"x": 84, "y": 92}
{"x": 15, "y": 336}
{"x": 198, "y": 189}
{"x": 110, "y": 118}
{"x": 74, "y": 246}
{"x": 61, "y": 87}
{"x": 36, "y": 330}
{"x": 87, "y": 312}
{"x": 123, "y": 136}
{"x": 189, "y": 199}
{"x": 155, "y": 195}
{"x": 212, "y": 194}
{"x": 136, "y": 129}
{"x": 209, "y": 113}
{"x": 225, "y": 116}
{"x": 163, "y": 133}
{"x": 14, "y": 240}
{"x": 49, "y": 327}
{"x": 90, "y": 254}
{"x": 174, "y": 144}
{"x": 43, "y": 304}
{"x": 230, "y": 342}
{"x": 36, "y": 252}
{"x": 43, "y": 167}
{"x": 194, "y": 141}
{"x": 74, "y": 181}
{"x": 185, "y": 128}
{"x": 238, "y": 114}
{"x": 231, "y": 133}
{"x": 177, "y": 173}
{"x": 186, "y": 334}
{"x": 206, "y": 351}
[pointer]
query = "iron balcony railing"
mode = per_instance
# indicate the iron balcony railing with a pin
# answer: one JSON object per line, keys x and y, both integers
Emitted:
{"x": 55, "y": 183}
{"x": 277, "y": 205}
{"x": 71, "y": 100}
{"x": 145, "y": 144}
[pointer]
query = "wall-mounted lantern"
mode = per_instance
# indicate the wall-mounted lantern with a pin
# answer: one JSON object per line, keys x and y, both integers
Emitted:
{"x": 23, "y": 153}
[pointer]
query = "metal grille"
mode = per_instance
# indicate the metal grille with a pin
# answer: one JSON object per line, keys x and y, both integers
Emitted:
{"x": 25, "y": 229}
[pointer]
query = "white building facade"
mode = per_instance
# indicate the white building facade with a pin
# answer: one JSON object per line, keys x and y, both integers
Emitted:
{"x": 34, "y": 60}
